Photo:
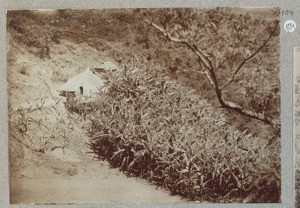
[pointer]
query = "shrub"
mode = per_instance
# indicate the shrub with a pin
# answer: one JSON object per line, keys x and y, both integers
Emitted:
{"x": 41, "y": 129}
{"x": 26, "y": 29}
{"x": 154, "y": 128}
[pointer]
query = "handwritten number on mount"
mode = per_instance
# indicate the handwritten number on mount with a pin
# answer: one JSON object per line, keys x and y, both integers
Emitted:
{"x": 287, "y": 12}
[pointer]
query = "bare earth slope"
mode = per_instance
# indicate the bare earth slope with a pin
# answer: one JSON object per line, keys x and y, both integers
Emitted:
{"x": 44, "y": 168}
{"x": 74, "y": 177}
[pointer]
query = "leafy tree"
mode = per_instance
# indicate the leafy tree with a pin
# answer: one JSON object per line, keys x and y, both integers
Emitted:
{"x": 237, "y": 52}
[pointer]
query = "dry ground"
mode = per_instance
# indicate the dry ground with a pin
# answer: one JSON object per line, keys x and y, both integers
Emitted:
{"x": 53, "y": 176}
{"x": 74, "y": 176}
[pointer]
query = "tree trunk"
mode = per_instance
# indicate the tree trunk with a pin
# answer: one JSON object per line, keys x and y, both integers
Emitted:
{"x": 210, "y": 72}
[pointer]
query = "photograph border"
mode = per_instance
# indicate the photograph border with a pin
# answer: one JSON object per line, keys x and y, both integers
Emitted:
{"x": 287, "y": 42}
{"x": 294, "y": 119}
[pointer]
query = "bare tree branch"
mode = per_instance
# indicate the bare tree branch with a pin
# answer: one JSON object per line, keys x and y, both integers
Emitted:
{"x": 221, "y": 64}
{"x": 208, "y": 69}
{"x": 251, "y": 114}
{"x": 246, "y": 60}
{"x": 191, "y": 44}
{"x": 210, "y": 73}
{"x": 165, "y": 33}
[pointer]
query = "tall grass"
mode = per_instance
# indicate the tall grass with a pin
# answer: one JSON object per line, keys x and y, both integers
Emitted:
{"x": 42, "y": 129}
{"x": 154, "y": 128}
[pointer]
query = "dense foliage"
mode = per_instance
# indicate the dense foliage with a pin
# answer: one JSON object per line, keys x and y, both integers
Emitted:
{"x": 225, "y": 36}
{"x": 151, "y": 126}
{"x": 234, "y": 50}
{"x": 157, "y": 129}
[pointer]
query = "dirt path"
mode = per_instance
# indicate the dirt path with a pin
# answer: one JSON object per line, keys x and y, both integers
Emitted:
{"x": 75, "y": 176}
{"x": 72, "y": 176}
{"x": 109, "y": 188}
{"x": 82, "y": 180}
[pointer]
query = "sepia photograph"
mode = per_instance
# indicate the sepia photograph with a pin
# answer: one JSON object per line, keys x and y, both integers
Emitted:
{"x": 144, "y": 106}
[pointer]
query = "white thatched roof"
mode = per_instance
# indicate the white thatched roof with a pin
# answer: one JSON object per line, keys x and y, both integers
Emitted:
{"x": 89, "y": 82}
{"x": 107, "y": 65}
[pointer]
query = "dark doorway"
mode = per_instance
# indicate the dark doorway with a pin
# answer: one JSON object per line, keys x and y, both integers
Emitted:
{"x": 81, "y": 90}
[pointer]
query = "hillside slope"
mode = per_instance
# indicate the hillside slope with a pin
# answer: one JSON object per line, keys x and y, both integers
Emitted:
{"x": 36, "y": 170}
{"x": 48, "y": 144}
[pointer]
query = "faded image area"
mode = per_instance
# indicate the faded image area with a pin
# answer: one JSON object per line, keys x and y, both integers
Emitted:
{"x": 144, "y": 106}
